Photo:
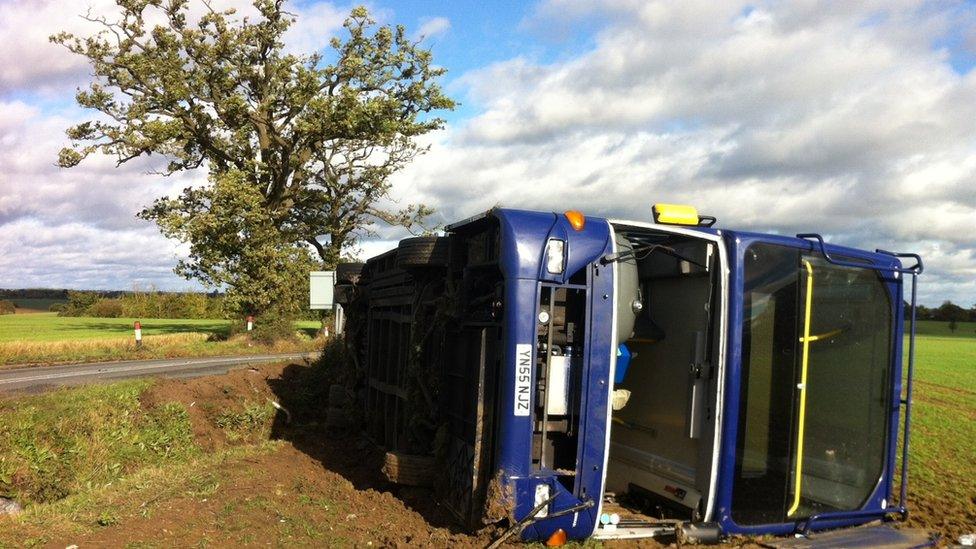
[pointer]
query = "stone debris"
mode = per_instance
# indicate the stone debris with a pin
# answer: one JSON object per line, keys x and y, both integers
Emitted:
{"x": 9, "y": 507}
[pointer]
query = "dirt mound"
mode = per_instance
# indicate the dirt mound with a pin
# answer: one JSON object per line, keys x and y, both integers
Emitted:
{"x": 318, "y": 487}
{"x": 283, "y": 498}
{"x": 206, "y": 399}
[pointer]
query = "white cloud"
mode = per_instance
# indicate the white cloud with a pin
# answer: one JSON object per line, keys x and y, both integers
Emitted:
{"x": 28, "y": 61}
{"x": 78, "y": 227}
{"x": 432, "y": 27}
{"x": 773, "y": 116}
{"x": 78, "y": 255}
{"x": 315, "y": 25}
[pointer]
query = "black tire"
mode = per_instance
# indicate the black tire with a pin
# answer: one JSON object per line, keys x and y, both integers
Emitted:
{"x": 422, "y": 251}
{"x": 344, "y": 293}
{"x": 349, "y": 272}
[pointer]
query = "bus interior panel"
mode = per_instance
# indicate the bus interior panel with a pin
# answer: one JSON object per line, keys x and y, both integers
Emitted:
{"x": 664, "y": 393}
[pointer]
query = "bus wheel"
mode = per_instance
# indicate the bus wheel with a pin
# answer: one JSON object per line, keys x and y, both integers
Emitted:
{"x": 422, "y": 251}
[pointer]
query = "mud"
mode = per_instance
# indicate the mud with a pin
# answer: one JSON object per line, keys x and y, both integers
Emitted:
{"x": 205, "y": 398}
{"x": 498, "y": 501}
{"x": 287, "y": 498}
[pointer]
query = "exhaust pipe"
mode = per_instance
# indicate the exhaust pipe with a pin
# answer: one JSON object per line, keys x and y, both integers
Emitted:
{"x": 698, "y": 533}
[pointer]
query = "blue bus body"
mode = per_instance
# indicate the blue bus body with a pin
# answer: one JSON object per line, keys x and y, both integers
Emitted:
{"x": 550, "y": 460}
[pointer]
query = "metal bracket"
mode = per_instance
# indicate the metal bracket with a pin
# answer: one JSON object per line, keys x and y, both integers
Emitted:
{"x": 871, "y": 513}
{"x": 916, "y": 269}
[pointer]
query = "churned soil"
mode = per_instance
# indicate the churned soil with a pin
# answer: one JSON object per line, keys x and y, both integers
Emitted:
{"x": 286, "y": 497}
{"x": 206, "y": 398}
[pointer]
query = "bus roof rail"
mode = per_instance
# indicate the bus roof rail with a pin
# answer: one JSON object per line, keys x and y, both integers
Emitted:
{"x": 917, "y": 268}
{"x": 819, "y": 241}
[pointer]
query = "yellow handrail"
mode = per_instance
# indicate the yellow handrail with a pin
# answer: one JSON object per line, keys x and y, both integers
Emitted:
{"x": 803, "y": 390}
{"x": 826, "y": 335}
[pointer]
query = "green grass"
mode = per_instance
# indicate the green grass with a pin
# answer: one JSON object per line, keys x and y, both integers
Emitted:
{"x": 144, "y": 493}
{"x": 942, "y": 474}
{"x": 51, "y": 327}
{"x": 45, "y": 338}
{"x": 71, "y": 440}
{"x": 949, "y": 363}
{"x": 939, "y": 328}
{"x": 253, "y": 421}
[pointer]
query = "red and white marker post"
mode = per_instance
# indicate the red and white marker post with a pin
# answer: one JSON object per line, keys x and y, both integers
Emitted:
{"x": 138, "y": 327}
{"x": 250, "y": 323}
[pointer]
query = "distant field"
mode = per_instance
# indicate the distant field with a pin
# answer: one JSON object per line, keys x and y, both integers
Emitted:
{"x": 50, "y": 327}
{"x": 36, "y": 304}
{"x": 940, "y": 328}
{"x": 45, "y": 338}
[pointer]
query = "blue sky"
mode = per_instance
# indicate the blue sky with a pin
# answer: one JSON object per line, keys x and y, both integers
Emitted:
{"x": 857, "y": 120}
{"x": 482, "y": 33}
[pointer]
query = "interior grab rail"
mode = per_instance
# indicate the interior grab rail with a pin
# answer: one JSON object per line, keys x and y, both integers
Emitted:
{"x": 798, "y": 470}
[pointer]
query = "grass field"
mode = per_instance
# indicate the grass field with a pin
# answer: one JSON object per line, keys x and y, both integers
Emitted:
{"x": 942, "y": 475}
{"x": 941, "y": 329}
{"x": 51, "y": 327}
{"x": 48, "y": 338}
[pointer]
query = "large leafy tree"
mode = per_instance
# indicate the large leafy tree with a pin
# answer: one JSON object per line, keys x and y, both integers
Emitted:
{"x": 237, "y": 245}
{"x": 309, "y": 141}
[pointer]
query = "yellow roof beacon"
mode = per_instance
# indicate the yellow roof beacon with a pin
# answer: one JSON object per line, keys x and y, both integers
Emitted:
{"x": 680, "y": 214}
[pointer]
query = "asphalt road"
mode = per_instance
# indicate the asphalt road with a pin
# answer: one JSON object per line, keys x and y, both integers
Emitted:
{"x": 41, "y": 378}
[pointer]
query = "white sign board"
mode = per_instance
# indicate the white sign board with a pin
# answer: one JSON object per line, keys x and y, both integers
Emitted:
{"x": 321, "y": 286}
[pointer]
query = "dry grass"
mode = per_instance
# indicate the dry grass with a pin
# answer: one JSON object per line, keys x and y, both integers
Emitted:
{"x": 154, "y": 346}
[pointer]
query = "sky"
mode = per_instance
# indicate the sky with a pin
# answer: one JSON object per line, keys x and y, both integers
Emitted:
{"x": 853, "y": 119}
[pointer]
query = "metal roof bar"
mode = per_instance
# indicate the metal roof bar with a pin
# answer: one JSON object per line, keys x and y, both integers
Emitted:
{"x": 819, "y": 241}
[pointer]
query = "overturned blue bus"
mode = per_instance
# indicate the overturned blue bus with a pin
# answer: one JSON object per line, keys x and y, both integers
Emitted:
{"x": 627, "y": 379}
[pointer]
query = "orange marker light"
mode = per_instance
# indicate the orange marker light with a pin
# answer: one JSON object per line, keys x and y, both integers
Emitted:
{"x": 557, "y": 539}
{"x": 575, "y": 219}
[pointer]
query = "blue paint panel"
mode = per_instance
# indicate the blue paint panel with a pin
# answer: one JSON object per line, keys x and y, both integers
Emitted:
{"x": 596, "y": 393}
{"x": 523, "y": 236}
{"x": 523, "y": 244}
